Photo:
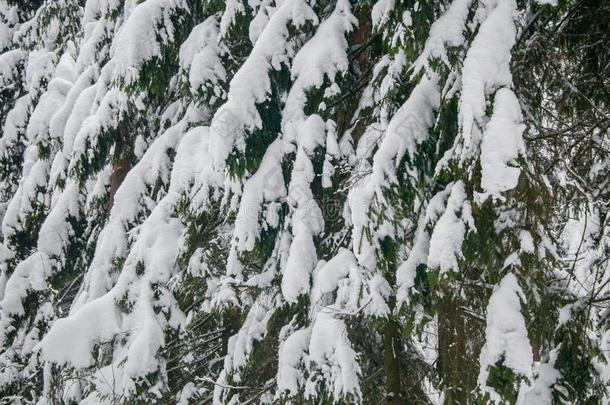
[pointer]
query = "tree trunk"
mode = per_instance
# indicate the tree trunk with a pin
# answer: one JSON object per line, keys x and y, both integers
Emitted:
{"x": 454, "y": 371}
{"x": 391, "y": 359}
{"x": 120, "y": 168}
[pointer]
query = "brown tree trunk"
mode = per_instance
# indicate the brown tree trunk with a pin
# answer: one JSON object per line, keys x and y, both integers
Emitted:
{"x": 391, "y": 367}
{"x": 120, "y": 167}
{"x": 452, "y": 361}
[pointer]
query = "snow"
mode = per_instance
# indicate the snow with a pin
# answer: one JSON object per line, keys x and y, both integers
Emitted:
{"x": 15, "y": 124}
{"x": 51, "y": 100}
{"x": 405, "y": 131}
{"x": 56, "y": 230}
{"x": 251, "y": 83}
{"x": 8, "y": 24}
{"x": 324, "y": 55}
{"x": 448, "y": 234}
{"x": 526, "y": 241}
{"x": 380, "y": 13}
{"x": 68, "y": 94}
{"x": 96, "y": 8}
{"x": 324, "y": 347}
{"x": 328, "y": 275}
{"x": 541, "y": 391}
{"x": 5, "y": 255}
{"x": 58, "y": 122}
{"x": 112, "y": 107}
{"x": 192, "y": 165}
{"x": 502, "y": 144}
{"x": 80, "y": 111}
{"x": 187, "y": 393}
{"x": 200, "y": 56}
{"x": 407, "y": 271}
{"x": 71, "y": 340}
{"x": 252, "y": 329}
{"x": 135, "y": 45}
{"x": 307, "y": 221}
{"x": 30, "y": 274}
{"x": 232, "y": 9}
{"x": 446, "y": 31}
{"x": 260, "y": 20}
{"x": 292, "y": 359}
{"x": 578, "y": 239}
{"x": 486, "y": 68}
{"x": 395, "y": 65}
{"x": 9, "y": 66}
{"x": 40, "y": 67}
{"x": 130, "y": 204}
{"x": 266, "y": 185}
{"x": 28, "y": 194}
{"x": 98, "y": 28}
{"x": 331, "y": 353}
{"x": 506, "y": 333}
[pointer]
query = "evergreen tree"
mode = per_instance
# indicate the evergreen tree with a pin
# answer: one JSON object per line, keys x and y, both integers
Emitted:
{"x": 304, "y": 201}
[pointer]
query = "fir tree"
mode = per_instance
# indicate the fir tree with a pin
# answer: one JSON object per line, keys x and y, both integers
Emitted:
{"x": 299, "y": 201}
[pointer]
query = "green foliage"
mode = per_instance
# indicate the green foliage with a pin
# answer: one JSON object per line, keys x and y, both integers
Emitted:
{"x": 429, "y": 341}
{"x": 579, "y": 381}
{"x": 504, "y": 381}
